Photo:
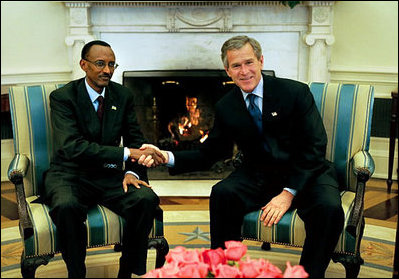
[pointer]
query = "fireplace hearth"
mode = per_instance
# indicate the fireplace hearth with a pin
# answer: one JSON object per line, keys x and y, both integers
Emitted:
{"x": 175, "y": 110}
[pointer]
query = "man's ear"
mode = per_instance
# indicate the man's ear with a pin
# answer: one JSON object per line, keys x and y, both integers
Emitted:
{"x": 83, "y": 65}
{"x": 227, "y": 71}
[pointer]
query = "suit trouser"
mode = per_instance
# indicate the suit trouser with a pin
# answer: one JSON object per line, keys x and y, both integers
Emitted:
{"x": 245, "y": 191}
{"x": 69, "y": 197}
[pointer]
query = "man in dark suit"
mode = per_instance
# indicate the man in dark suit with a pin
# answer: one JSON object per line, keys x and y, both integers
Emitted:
{"x": 277, "y": 127}
{"x": 89, "y": 116}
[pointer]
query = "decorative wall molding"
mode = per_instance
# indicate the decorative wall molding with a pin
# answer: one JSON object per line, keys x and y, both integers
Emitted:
{"x": 383, "y": 78}
{"x": 35, "y": 78}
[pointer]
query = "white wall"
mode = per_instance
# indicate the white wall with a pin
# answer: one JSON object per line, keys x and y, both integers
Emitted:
{"x": 366, "y": 34}
{"x": 32, "y": 40}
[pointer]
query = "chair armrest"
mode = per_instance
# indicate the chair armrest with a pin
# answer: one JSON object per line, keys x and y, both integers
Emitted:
{"x": 18, "y": 168}
{"x": 362, "y": 161}
{"x": 363, "y": 167}
{"x": 16, "y": 172}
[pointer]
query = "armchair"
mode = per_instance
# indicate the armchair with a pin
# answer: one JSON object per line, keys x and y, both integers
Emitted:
{"x": 30, "y": 112}
{"x": 346, "y": 110}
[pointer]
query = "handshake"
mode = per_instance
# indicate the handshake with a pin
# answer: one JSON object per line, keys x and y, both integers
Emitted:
{"x": 149, "y": 155}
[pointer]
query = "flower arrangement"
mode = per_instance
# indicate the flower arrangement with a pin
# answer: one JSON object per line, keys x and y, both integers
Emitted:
{"x": 219, "y": 263}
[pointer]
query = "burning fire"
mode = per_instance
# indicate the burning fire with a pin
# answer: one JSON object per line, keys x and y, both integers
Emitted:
{"x": 187, "y": 126}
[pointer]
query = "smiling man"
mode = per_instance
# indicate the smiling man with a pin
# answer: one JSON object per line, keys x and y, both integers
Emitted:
{"x": 275, "y": 124}
{"x": 89, "y": 116}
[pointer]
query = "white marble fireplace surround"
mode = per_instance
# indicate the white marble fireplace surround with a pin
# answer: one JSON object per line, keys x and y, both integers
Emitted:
{"x": 176, "y": 35}
{"x": 167, "y": 35}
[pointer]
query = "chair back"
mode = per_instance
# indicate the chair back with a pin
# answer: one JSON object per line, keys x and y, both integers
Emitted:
{"x": 30, "y": 117}
{"x": 346, "y": 110}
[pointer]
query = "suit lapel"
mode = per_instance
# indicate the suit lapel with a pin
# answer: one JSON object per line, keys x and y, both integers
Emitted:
{"x": 271, "y": 110}
{"x": 240, "y": 109}
{"x": 87, "y": 112}
{"x": 112, "y": 105}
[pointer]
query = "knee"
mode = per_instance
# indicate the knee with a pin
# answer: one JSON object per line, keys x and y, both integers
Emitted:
{"x": 220, "y": 190}
{"x": 67, "y": 210}
{"x": 332, "y": 213}
{"x": 148, "y": 198}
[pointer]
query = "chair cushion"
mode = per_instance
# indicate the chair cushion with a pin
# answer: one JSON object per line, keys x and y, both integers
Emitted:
{"x": 104, "y": 227}
{"x": 291, "y": 230}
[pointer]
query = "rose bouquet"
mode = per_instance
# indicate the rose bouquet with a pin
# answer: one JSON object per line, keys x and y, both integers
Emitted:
{"x": 219, "y": 263}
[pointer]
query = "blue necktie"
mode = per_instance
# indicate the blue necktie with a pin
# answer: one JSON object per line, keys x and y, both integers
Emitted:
{"x": 255, "y": 111}
{"x": 256, "y": 114}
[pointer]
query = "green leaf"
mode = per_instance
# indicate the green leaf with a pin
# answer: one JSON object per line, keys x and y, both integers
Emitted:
{"x": 291, "y": 4}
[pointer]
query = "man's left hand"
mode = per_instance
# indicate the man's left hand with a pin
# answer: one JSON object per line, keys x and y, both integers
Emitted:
{"x": 130, "y": 179}
{"x": 276, "y": 208}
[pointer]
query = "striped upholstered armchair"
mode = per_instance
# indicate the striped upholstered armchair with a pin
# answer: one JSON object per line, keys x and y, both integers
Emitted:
{"x": 30, "y": 114}
{"x": 346, "y": 110}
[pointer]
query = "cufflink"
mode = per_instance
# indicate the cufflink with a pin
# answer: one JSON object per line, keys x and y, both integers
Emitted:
{"x": 113, "y": 107}
{"x": 274, "y": 113}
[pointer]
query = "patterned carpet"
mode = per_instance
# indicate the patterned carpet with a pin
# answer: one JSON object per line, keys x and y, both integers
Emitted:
{"x": 186, "y": 222}
{"x": 377, "y": 250}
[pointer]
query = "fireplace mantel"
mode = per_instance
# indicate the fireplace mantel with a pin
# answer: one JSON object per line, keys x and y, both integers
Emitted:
{"x": 163, "y": 35}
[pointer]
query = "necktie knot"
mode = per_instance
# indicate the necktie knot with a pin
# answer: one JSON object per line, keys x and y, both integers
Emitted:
{"x": 100, "y": 109}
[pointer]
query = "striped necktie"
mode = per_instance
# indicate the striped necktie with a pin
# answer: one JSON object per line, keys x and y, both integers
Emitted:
{"x": 254, "y": 111}
{"x": 100, "y": 109}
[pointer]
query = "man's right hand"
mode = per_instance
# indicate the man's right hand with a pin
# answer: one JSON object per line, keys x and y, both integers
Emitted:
{"x": 152, "y": 156}
{"x": 146, "y": 160}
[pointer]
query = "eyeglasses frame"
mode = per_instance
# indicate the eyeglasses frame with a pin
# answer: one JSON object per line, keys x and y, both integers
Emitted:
{"x": 99, "y": 67}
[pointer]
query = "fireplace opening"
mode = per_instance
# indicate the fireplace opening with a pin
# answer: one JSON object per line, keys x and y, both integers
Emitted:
{"x": 175, "y": 110}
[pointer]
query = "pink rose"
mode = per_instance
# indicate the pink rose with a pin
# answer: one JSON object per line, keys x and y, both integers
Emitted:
{"x": 175, "y": 254}
{"x": 213, "y": 257}
{"x": 264, "y": 268}
{"x": 249, "y": 268}
{"x": 181, "y": 256}
{"x": 155, "y": 273}
{"x": 167, "y": 271}
{"x": 296, "y": 271}
{"x": 197, "y": 270}
{"x": 234, "y": 250}
{"x": 227, "y": 271}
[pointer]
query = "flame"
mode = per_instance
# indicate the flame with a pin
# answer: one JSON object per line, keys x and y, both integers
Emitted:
{"x": 204, "y": 136}
{"x": 184, "y": 126}
{"x": 187, "y": 125}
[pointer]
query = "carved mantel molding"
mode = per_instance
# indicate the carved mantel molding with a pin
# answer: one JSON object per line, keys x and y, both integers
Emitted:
{"x": 315, "y": 26}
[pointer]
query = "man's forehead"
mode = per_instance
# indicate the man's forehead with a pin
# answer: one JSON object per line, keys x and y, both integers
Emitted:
{"x": 98, "y": 50}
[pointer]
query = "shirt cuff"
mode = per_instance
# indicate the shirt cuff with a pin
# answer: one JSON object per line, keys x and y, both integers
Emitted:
{"x": 171, "y": 162}
{"x": 292, "y": 191}
{"x": 126, "y": 154}
{"x": 133, "y": 174}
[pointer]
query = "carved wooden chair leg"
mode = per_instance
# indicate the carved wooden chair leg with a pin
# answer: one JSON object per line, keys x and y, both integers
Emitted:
{"x": 118, "y": 247}
{"x": 29, "y": 265}
{"x": 351, "y": 263}
{"x": 266, "y": 246}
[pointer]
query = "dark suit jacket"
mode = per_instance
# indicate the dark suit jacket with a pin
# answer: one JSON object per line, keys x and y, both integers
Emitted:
{"x": 80, "y": 143}
{"x": 292, "y": 128}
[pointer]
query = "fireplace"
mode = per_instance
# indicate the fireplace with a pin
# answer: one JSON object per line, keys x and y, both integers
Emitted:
{"x": 175, "y": 110}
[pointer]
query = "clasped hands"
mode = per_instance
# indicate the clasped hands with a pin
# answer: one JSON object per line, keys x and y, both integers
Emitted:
{"x": 148, "y": 155}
